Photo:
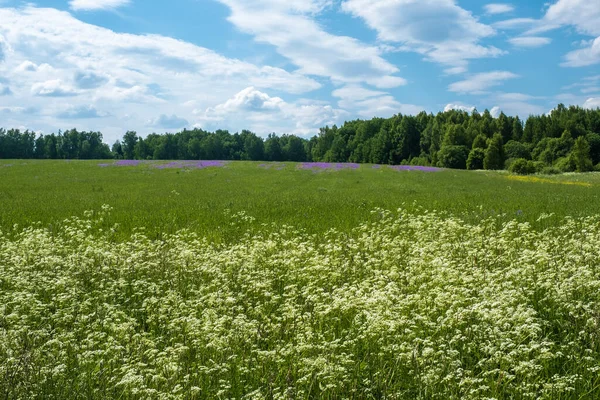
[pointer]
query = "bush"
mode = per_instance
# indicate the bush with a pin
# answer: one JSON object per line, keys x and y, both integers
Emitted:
{"x": 420, "y": 161}
{"x": 522, "y": 166}
{"x": 565, "y": 164}
{"x": 550, "y": 171}
{"x": 539, "y": 166}
{"x": 454, "y": 157}
{"x": 475, "y": 160}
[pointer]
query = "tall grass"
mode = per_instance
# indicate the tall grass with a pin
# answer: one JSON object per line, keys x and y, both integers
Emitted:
{"x": 171, "y": 199}
{"x": 411, "y": 305}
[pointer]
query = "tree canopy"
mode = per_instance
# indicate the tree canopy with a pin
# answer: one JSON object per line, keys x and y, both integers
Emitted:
{"x": 568, "y": 138}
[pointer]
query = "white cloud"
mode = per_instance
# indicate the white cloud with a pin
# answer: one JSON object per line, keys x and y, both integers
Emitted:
{"x": 53, "y": 88}
{"x": 584, "y": 57}
{"x": 498, "y": 8}
{"x": 521, "y": 108}
{"x": 5, "y": 91}
{"x": 439, "y": 29}
{"x": 592, "y": 103}
{"x": 478, "y": 83}
{"x": 263, "y": 114}
{"x": 93, "y": 5}
{"x": 459, "y": 107}
{"x": 356, "y": 92}
{"x": 516, "y": 97}
{"x": 168, "y": 122}
{"x": 515, "y": 23}
{"x": 133, "y": 78}
{"x": 81, "y": 112}
{"x": 299, "y": 38}
{"x": 530, "y": 41}
{"x": 369, "y": 103}
{"x": 583, "y": 14}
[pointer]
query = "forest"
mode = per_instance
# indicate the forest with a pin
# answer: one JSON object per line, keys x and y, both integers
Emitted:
{"x": 565, "y": 140}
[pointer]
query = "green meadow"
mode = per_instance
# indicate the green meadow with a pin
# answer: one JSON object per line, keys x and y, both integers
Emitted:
{"x": 203, "y": 200}
{"x": 265, "y": 281}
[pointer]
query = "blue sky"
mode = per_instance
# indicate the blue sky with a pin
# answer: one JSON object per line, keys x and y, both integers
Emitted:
{"x": 287, "y": 66}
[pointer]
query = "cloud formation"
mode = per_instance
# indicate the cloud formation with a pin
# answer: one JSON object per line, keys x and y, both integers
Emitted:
{"x": 289, "y": 27}
{"x": 94, "y": 5}
{"x": 530, "y": 41}
{"x": 478, "y": 83}
{"x": 498, "y": 8}
{"x": 440, "y": 30}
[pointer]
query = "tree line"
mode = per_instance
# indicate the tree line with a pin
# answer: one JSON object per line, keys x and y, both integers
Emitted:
{"x": 567, "y": 139}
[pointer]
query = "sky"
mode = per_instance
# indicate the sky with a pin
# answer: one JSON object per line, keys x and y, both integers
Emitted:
{"x": 287, "y": 66}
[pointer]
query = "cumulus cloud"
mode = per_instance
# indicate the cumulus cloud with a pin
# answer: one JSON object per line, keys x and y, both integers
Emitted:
{"x": 530, "y": 41}
{"x": 81, "y": 112}
{"x": 263, "y": 113}
{"x": 521, "y": 108}
{"x": 372, "y": 103}
{"x": 131, "y": 77}
{"x": 289, "y": 27}
{"x": 439, "y": 29}
{"x": 53, "y": 88}
{"x": 169, "y": 122}
{"x": 584, "y": 15}
{"x": 94, "y": 5}
{"x": 459, "y": 107}
{"x": 592, "y": 103}
{"x": 89, "y": 79}
{"x": 498, "y": 8}
{"x": 478, "y": 83}
{"x": 584, "y": 57}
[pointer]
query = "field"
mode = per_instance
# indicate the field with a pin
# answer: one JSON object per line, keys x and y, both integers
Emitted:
{"x": 296, "y": 281}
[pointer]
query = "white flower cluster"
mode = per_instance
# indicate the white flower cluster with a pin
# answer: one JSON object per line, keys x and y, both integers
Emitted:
{"x": 407, "y": 306}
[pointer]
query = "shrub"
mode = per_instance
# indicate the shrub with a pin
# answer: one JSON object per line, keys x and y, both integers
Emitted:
{"x": 453, "y": 157}
{"x": 550, "y": 171}
{"x": 565, "y": 164}
{"x": 522, "y": 166}
{"x": 475, "y": 160}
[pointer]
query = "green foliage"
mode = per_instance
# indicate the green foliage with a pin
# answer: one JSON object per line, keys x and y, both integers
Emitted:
{"x": 551, "y": 171}
{"x": 396, "y": 140}
{"x": 453, "y": 157}
{"x": 494, "y": 154}
{"x": 522, "y": 166}
{"x": 514, "y": 149}
{"x": 480, "y": 142}
{"x": 475, "y": 160}
{"x": 566, "y": 164}
{"x": 580, "y": 155}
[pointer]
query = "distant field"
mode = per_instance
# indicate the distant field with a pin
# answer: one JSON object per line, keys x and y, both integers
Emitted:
{"x": 164, "y": 197}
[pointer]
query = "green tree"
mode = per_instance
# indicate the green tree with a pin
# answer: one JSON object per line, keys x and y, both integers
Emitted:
{"x": 580, "y": 155}
{"x": 494, "y": 154}
{"x": 475, "y": 160}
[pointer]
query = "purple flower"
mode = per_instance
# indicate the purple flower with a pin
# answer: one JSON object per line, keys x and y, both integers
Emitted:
{"x": 195, "y": 164}
{"x": 414, "y": 168}
{"x": 327, "y": 166}
{"x": 127, "y": 163}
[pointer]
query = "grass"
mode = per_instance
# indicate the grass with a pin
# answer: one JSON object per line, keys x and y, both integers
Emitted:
{"x": 167, "y": 200}
{"x": 263, "y": 282}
